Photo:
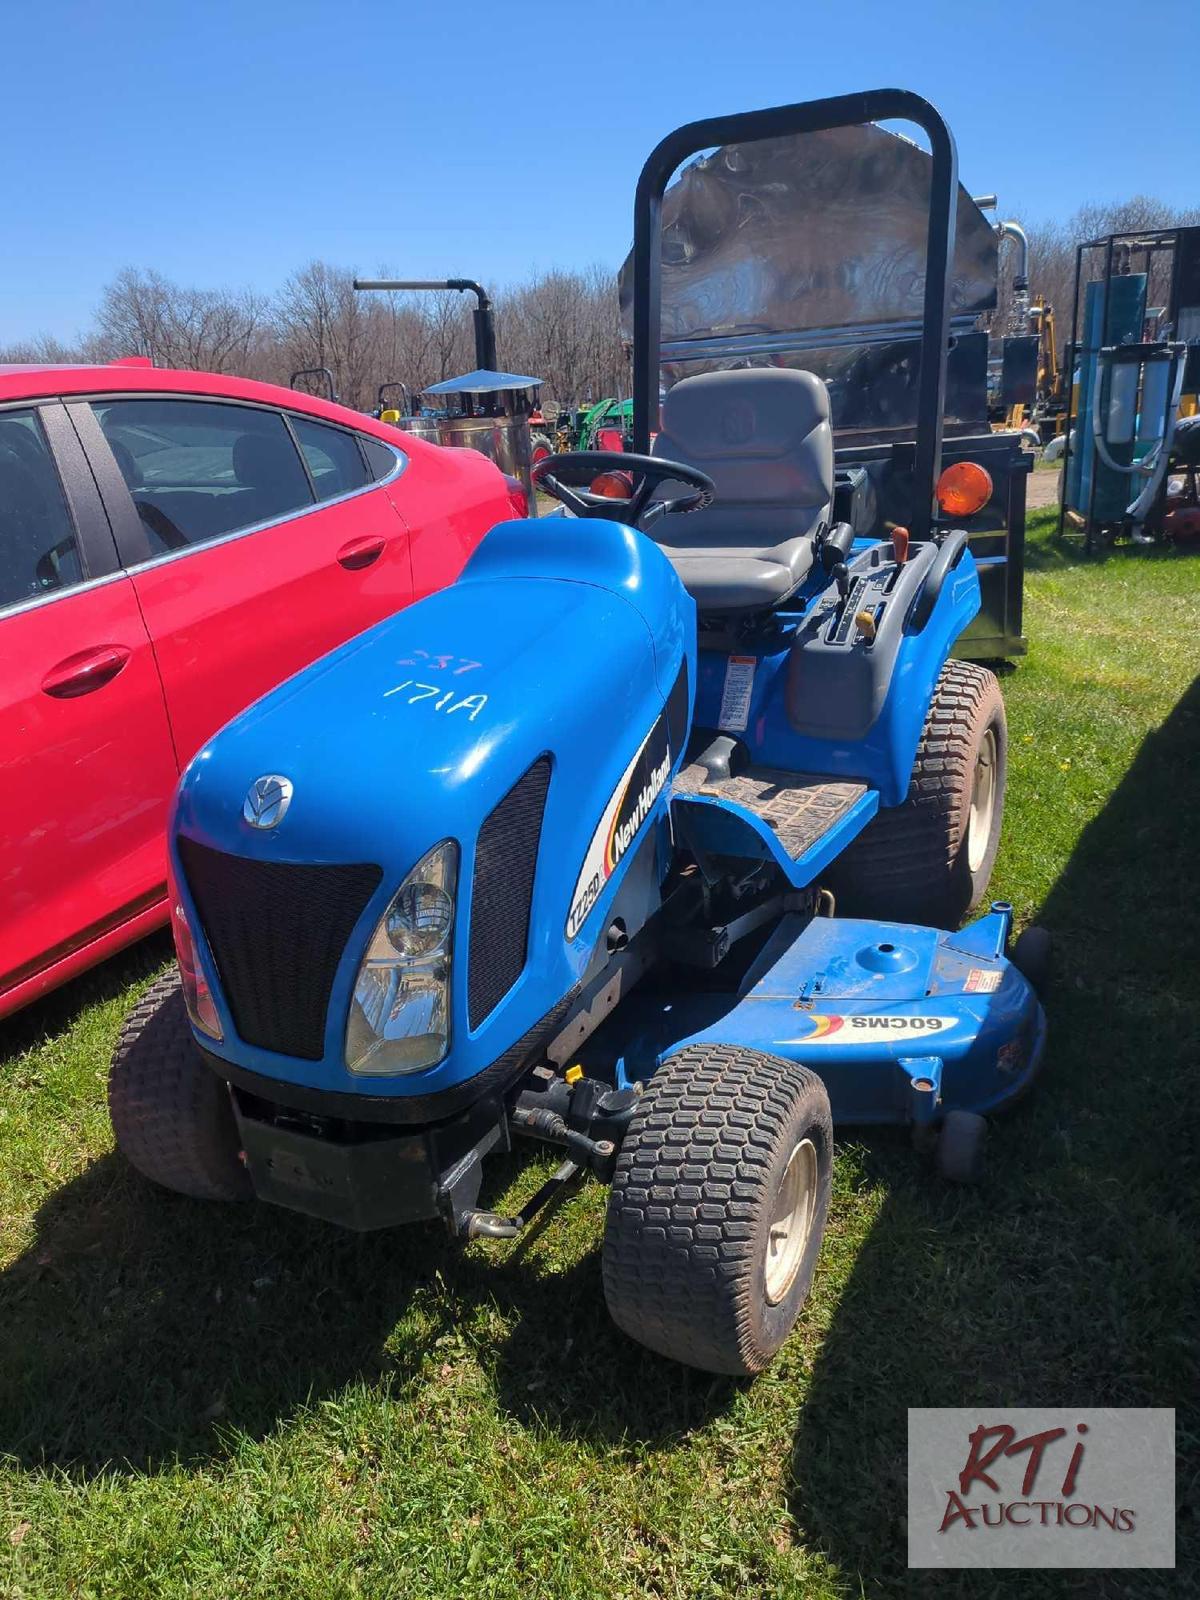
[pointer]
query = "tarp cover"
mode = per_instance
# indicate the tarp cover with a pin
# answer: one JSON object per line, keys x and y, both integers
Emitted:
{"x": 820, "y": 236}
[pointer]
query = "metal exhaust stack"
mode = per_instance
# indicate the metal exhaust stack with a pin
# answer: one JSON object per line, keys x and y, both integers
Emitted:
{"x": 485, "y": 326}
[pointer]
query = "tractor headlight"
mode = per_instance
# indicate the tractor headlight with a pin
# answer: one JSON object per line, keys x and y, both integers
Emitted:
{"x": 400, "y": 1010}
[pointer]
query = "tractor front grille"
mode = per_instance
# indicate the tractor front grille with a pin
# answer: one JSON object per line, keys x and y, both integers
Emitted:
{"x": 276, "y": 930}
{"x": 502, "y": 891}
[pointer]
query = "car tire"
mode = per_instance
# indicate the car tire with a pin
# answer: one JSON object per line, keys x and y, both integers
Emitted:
{"x": 703, "y": 1261}
{"x": 171, "y": 1114}
{"x": 929, "y": 859}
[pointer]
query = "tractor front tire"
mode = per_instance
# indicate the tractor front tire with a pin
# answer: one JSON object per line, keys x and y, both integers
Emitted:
{"x": 929, "y": 859}
{"x": 718, "y": 1206}
{"x": 170, "y": 1113}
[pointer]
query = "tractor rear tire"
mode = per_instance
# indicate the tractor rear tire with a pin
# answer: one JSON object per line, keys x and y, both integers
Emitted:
{"x": 929, "y": 859}
{"x": 170, "y": 1112}
{"x": 718, "y": 1206}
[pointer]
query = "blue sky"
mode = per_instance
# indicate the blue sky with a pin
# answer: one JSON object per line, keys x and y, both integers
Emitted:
{"x": 228, "y": 143}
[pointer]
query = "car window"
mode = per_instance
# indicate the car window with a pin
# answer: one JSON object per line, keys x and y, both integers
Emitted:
{"x": 199, "y": 469}
{"x": 38, "y": 551}
{"x": 333, "y": 458}
{"x": 381, "y": 458}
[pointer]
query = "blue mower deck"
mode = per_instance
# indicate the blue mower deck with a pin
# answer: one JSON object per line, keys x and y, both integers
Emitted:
{"x": 903, "y": 1024}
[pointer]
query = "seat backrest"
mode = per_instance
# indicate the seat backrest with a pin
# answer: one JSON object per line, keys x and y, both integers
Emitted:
{"x": 763, "y": 437}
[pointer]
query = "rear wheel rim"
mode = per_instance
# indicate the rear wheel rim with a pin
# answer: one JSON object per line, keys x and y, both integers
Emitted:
{"x": 983, "y": 801}
{"x": 791, "y": 1220}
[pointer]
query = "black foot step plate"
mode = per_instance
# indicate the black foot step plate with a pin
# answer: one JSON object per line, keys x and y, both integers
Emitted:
{"x": 800, "y": 807}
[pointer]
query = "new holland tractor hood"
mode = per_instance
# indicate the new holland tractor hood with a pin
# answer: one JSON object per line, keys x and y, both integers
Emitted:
{"x": 531, "y": 714}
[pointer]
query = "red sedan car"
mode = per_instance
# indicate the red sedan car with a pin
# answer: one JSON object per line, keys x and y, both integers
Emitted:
{"x": 172, "y": 545}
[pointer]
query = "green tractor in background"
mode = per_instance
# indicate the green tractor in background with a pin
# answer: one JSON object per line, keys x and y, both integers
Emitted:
{"x": 606, "y": 425}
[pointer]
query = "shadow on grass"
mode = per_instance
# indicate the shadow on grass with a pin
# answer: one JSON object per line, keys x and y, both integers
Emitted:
{"x": 140, "y": 1328}
{"x": 1070, "y": 1276}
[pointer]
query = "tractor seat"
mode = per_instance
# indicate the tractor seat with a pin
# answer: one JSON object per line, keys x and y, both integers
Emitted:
{"x": 763, "y": 437}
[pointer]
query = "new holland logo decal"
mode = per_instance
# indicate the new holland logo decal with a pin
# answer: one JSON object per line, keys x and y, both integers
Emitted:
{"x": 624, "y": 816}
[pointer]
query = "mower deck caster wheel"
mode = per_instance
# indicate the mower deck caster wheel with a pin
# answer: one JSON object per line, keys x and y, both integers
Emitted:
{"x": 1031, "y": 957}
{"x": 960, "y": 1147}
{"x": 925, "y": 1138}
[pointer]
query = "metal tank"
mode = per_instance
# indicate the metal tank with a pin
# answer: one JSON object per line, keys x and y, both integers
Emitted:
{"x": 489, "y": 412}
{"x": 420, "y": 427}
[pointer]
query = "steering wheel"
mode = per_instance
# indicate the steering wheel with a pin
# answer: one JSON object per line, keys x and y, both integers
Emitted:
{"x": 647, "y": 472}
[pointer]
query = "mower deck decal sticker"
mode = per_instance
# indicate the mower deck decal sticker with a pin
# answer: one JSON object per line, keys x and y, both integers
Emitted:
{"x": 735, "y": 697}
{"x": 631, "y": 803}
{"x": 830, "y": 1029}
{"x": 982, "y": 980}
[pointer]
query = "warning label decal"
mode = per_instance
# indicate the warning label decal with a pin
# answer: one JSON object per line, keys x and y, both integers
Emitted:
{"x": 982, "y": 980}
{"x": 735, "y": 697}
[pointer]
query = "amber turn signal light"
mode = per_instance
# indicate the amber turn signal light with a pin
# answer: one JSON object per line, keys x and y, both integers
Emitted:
{"x": 613, "y": 485}
{"x": 963, "y": 489}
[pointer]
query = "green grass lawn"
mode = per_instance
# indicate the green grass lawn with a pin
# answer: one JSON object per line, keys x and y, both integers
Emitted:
{"x": 219, "y": 1402}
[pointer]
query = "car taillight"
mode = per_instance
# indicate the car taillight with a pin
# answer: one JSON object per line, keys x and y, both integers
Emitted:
{"x": 517, "y": 498}
{"x": 197, "y": 996}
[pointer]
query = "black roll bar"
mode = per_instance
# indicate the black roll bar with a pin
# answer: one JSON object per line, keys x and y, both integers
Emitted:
{"x": 813, "y": 116}
{"x": 315, "y": 372}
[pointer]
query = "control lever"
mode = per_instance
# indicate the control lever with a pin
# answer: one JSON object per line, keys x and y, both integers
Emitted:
{"x": 836, "y": 547}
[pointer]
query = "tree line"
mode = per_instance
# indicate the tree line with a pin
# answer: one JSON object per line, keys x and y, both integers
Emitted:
{"x": 1052, "y": 247}
{"x": 560, "y": 326}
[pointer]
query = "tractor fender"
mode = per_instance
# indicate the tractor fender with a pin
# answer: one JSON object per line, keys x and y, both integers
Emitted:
{"x": 826, "y": 699}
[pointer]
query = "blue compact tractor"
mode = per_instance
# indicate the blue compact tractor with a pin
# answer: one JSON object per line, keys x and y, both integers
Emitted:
{"x": 563, "y": 853}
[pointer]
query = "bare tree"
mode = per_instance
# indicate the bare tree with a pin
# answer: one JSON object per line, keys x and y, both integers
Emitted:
{"x": 1052, "y": 247}
{"x": 211, "y": 330}
{"x": 562, "y": 327}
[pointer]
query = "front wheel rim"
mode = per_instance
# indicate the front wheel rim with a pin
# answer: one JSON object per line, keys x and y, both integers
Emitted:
{"x": 792, "y": 1215}
{"x": 983, "y": 801}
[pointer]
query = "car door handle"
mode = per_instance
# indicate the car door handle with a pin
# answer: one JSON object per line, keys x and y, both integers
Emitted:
{"x": 85, "y": 670}
{"x": 361, "y": 552}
